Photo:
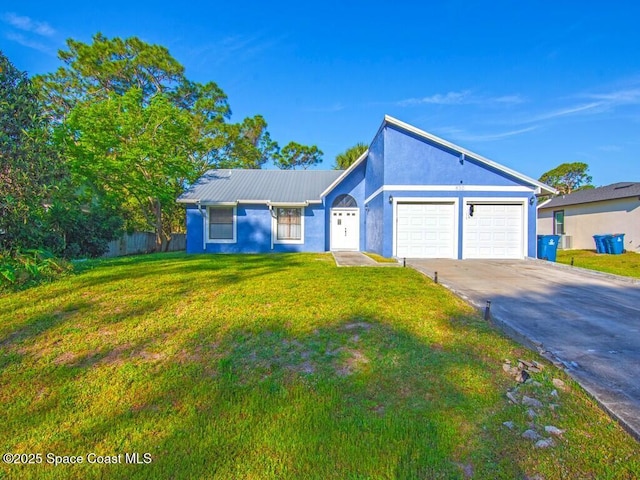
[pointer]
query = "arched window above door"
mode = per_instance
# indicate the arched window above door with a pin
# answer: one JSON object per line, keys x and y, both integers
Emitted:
{"x": 344, "y": 201}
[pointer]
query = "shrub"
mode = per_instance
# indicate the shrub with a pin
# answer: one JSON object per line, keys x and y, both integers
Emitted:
{"x": 24, "y": 268}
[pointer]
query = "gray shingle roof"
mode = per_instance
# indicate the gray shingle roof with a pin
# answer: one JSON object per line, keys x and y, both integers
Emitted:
{"x": 275, "y": 186}
{"x": 608, "y": 192}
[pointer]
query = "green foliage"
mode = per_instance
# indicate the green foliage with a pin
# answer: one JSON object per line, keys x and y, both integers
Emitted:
{"x": 349, "y": 156}
{"x": 136, "y": 131}
{"x": 84, "y": 230}
{"x": 27, "y": 267}
{"x": 568, "y": 177}
{"x": 295, "y": 155}
{"x": 31, "y": 171}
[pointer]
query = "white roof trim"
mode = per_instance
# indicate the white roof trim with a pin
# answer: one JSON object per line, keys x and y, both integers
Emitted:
{"x": 405, "y": 126}
{"x": 351, "y": 168}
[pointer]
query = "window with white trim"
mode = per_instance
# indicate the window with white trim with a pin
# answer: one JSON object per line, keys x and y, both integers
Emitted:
{"x": 558, "y": 222}
{"x": 222, "y": 227}
{"x": 289, "y": 225}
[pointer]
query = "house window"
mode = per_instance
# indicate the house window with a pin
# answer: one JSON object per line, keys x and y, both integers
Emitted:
{"x": 289, "y": 225}
{"x": 558, "y": 222}
{"x": 222, "y": 227}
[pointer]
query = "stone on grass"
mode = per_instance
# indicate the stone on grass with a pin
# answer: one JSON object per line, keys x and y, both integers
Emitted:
{"x": 512, "y": 397}
{"x": 544, "y": 443}
{"x": 522, "y": 376}
{"x": 530, "y": 435}
{"x": 509, "y": 425}
{"x": 559, "y": 384}
{"x": 554, "y": 393}
{"x": 553, "y": 430}
{"x": 531, "y": 402}
{"x": 531, "y": 412}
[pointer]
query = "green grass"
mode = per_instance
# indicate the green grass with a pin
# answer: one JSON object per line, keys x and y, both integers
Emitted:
{"x": 277, "y": 366}
{"x": 626, "y": 264}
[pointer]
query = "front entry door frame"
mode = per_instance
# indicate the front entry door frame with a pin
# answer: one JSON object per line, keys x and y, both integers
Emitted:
{"x": 345, "y": 229}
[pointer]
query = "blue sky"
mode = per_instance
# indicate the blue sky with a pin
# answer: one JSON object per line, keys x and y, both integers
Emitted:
{"x": 530, "y": 85}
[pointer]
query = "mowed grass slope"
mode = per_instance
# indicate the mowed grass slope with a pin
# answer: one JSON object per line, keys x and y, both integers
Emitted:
{"x": 278, "y": 366}
{"x": 626, "y": 264}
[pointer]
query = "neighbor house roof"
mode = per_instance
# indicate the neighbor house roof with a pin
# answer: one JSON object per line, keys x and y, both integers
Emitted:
{"x": 260, "y": 186}
{"x": 388, "y": 120}
{"x": 608, "y": 192}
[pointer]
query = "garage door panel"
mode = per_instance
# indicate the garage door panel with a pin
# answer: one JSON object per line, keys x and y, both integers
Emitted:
{"x": 425, "y": 230}
{"x": 494, "y": 231}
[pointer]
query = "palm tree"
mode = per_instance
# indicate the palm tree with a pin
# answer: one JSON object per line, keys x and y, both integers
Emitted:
{"x": 345, "y": 159}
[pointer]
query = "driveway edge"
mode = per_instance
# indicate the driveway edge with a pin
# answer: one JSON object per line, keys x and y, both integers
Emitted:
{"x": 525, "y": 340}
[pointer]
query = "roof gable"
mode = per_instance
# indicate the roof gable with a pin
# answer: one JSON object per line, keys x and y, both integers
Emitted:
{"x": 388, "y": 120}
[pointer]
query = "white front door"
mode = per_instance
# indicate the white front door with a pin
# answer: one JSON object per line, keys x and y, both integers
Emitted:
{"x": 345, "y": 229}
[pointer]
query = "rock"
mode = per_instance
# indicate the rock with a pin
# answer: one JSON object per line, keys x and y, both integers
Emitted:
{"x": 509, "y": 425}
{"x": 536, "y": 384}
{"x": 530, "y": 435}
{"x": 559, "y": 384}
{"x": 531, "y": 402}
{"x": 524, "y": 362}
{"x": 522, "y": 376}
{"x": 512, "y": 397}
{"x": 531, "y": 412}
{"x": 506, "y": 367}
{"x": 574, "y": 364}
{"x": 544, "y": 443}
{"x": 553, "y": 430}
{"x": 554, "y": 393}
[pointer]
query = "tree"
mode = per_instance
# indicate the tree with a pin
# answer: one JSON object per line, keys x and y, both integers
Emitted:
{"x": 349, "y": 156}
{"x": 31, "y": 170}
{"x": 295, "y": 155}
{"x": 136, "y": 130}
{"x": 138, "y": 154}
{"x": 568, "y": 177}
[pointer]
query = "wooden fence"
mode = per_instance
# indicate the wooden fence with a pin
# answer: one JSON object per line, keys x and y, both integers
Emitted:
{"x": 142, "y": 242}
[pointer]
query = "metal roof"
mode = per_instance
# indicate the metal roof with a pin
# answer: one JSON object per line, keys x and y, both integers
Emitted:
{"x": 260, "y": 186}
{"x": 608, "y": 192}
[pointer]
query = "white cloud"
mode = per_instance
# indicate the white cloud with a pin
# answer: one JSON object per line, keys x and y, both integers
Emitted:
{"x": 27, "y": 24}
{"x": 461, "y": 135}
{"x": 464, "y": 97}
{"x": 619, "y": 97}
{"x": 449, "y": 98}
{"x": 582, "y": 109}
{"x": 25, "y": 42}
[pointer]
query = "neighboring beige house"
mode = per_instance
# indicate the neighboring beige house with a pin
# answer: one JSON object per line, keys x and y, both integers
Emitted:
{"x": 579, "y": 216}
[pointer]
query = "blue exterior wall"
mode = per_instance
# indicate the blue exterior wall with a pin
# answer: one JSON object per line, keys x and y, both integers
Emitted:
{"x": 352, "y": 184}
{"x": 253, "y": 233}
{"x": 396, "y": 158}
{"x": 412, "y": 160}
{"x": 407, "y": 159}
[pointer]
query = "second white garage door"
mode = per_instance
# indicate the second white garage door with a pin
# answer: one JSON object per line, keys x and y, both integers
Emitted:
{"x": 425, "y": 230}
{"x": 493, "y": 231}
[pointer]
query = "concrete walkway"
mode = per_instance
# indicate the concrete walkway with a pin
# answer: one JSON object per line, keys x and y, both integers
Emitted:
{"x": 357, "y": 259}
{"x": 587, "y": 322}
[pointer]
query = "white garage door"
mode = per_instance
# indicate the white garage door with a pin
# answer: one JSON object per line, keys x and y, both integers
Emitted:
{"x": 425, "y": 230}
{"x": 493, "y": 231}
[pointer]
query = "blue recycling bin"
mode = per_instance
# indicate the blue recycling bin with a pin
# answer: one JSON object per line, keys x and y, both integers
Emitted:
{"x": 548, "y": 246}
{"x": 601, "y": 246}
{"x": 616, "y": 243}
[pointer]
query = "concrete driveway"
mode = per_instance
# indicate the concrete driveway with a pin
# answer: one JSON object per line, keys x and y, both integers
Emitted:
{"x": 589, "y": 322}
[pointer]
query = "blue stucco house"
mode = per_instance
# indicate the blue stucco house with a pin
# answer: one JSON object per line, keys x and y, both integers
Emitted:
{"x": 411, "y": 194}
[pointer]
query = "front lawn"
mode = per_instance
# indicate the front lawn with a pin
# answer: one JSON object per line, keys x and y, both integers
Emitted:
{"x": 626, "y": 264}
{"x": 279, "y": 366}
